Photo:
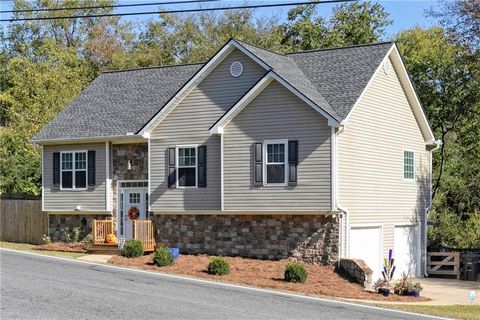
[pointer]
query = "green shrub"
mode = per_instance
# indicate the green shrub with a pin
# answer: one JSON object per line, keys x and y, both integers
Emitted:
{"x": 163, "y": 257}
{"x": 133, "y": 248}
{"x": 218, "y": 266}
{"x": 46, "y": 239}
{"x": 295, "y": 272}
{"x": 75, "y": 234}
{"x": 88, "y": 240}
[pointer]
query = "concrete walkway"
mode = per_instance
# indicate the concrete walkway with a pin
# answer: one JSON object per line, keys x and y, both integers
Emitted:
{"x": 449, "y": 291}
{"x": 98, "y": 258}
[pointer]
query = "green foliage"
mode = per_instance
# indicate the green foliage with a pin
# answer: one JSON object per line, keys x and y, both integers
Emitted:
{"x": 218, "y": 266}
{"x": 449, "y": 230}
{"x": 295, "y": 272}
{"x": 163, "y": 257}
{"x": 350, "y": 24}
{"x": 75, "y": 234}
{"x": 133, "y": 248}
{"x": 67, "y": 235}
{"x": 88, "y": 240}
{"x": 46, "y": 239}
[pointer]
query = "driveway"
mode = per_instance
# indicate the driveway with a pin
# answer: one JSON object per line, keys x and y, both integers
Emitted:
{"x": 41, "y": 287}
{"x": 449, "y": 291}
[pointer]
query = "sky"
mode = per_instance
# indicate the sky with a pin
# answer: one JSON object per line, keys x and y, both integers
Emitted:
{"x": 404, "y": 13}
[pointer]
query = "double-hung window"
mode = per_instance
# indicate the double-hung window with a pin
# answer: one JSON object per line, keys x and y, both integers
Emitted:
{"x": 408, "y": 165}
{"x": 74, "y": 170}
{"x": 275, "y": 169}
{"x": 186, "y": 166}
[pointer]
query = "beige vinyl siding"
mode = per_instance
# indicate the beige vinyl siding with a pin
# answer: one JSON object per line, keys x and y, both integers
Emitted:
{"x": 189, "y": 123}
{"x": 92, "y": 199}
{"x": 370, "y": 160}
{"x": 276, "y": 113}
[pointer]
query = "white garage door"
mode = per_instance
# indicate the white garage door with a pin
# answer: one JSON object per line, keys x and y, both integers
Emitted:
{"x": 406, "y": 250}
{"x": 366, "y": 244}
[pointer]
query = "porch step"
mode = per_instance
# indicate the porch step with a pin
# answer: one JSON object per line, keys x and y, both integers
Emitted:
{"x": 104, "y": 248}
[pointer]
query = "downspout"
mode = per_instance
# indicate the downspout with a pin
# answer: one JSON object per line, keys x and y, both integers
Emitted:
{"x": 344, "y": 216}
{"x": 438, "y": 144}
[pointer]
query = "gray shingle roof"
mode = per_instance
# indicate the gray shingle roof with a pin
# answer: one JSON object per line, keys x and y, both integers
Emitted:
{"x": 117, "y": 103}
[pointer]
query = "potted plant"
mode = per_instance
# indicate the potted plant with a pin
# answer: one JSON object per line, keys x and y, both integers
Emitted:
{"x": 382, "y": 287}
{"x": 414, "y": 289}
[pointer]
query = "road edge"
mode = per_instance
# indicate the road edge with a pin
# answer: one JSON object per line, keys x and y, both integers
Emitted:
{"x": 224, "y": 284}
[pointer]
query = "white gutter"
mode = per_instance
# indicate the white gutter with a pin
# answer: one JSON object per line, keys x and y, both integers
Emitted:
{"x": 344, "y": 216}
{"x": 438, "y": 144}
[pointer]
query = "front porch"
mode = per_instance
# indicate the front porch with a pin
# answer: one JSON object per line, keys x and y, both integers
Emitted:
{"x": 143, "y": 230}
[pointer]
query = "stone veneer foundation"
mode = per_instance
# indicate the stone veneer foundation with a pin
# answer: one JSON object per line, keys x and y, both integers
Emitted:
{"x": 310, "y": 238}
{"x": 137, "y": 153}
{"x": 57, "y": 223}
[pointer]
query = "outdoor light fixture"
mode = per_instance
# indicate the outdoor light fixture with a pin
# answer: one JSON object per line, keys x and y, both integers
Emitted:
{"x": 129, "y": 165}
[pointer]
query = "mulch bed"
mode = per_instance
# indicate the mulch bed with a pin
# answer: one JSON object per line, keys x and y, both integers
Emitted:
{"x": 62, "y": 247}
{"x": 322, "y": 280}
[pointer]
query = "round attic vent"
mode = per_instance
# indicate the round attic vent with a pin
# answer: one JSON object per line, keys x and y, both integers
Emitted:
{"x": 236, "y": 69}
{"x": 386, "y": 67}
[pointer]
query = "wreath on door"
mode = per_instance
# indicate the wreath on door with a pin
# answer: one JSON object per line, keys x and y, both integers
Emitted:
{"x": 133, "y": 213}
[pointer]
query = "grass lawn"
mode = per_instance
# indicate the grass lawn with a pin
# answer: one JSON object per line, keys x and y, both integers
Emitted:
{"x": 31, "y": 248}
{"x": 456, "y": 311}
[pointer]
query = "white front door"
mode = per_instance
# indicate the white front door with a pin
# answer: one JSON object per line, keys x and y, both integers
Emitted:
{"x": 131, "y": 199}
{"x": 406, "y": 250}
{"x": 366, "y": 244}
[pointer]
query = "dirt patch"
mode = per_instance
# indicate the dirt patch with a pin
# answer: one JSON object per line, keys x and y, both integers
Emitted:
{"x": 62, "y": 247}
{"x": 322, "y": 280}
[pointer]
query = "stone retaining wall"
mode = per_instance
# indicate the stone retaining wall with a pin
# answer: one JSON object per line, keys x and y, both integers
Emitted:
{"x": 309, "y": 238}
{"x": 356, "y": 270}
{"x": 57, "y": 223}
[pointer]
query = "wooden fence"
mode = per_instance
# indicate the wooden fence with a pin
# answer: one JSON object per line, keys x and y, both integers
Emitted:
{"x": 100, "y": 230}
{"x": 22, "y": 219}
{"x": 444, "y": 263}
{"x": 144, "y": 231}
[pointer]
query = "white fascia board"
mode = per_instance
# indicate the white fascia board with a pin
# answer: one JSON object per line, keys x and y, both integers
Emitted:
{"x": 98, "y": 139}
{"x": 193, "y": 82}
{"x": 241, "y": 104}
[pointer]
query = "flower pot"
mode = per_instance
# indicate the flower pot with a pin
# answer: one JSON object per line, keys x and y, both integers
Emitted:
{"x": 414, "y": 293}
{"x": 384, "y": 291}
{"x": 175, "y": 252}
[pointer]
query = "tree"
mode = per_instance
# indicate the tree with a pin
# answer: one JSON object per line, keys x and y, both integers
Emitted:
{"x": 351, "y": 24}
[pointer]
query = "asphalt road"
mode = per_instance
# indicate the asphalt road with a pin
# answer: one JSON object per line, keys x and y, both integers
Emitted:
{"x": 40, "y": 287}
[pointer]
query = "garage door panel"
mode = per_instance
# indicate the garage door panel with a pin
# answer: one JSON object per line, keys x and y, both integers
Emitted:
{"x": 407, "y": 250}
{"x": 366, "y": 244}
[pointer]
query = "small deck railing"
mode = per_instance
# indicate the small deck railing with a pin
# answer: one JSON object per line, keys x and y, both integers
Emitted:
{"x": 144, "y": 231}
{"x": 100, "y": 230}
{"x": 444, "y": 263}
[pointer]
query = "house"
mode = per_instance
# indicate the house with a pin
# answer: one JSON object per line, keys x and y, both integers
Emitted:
{"x": 318, "y": 154}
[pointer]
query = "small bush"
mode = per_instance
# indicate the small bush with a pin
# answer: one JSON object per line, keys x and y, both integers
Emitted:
{"x": 68, "y": 236}
{"x": 75, "y": 234}
{"x": 88, "y": 240}
{"x": 295, "y": 272}
{"x": 46, "y": 239}
{"x": 163, "y": 257}
{"x": 218, "y": 266}
{"x": 133, "y": 248}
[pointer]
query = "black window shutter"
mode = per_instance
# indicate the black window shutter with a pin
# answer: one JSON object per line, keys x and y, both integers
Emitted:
{"x": 257, "y": 163}
{"x": 91, "y": 168}
{"x": 56, "y": 170}
{"x": 202, "y": 166}
{"x": 292, "y": 162}
{"x": 172, "y": 175}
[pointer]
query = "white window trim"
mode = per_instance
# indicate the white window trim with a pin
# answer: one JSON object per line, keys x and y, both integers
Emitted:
{"x": 73, "y": 170}
{"x": 177, "y": 162}
{"x": 265, "y": 162}
{"x": 403, "y": 165}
